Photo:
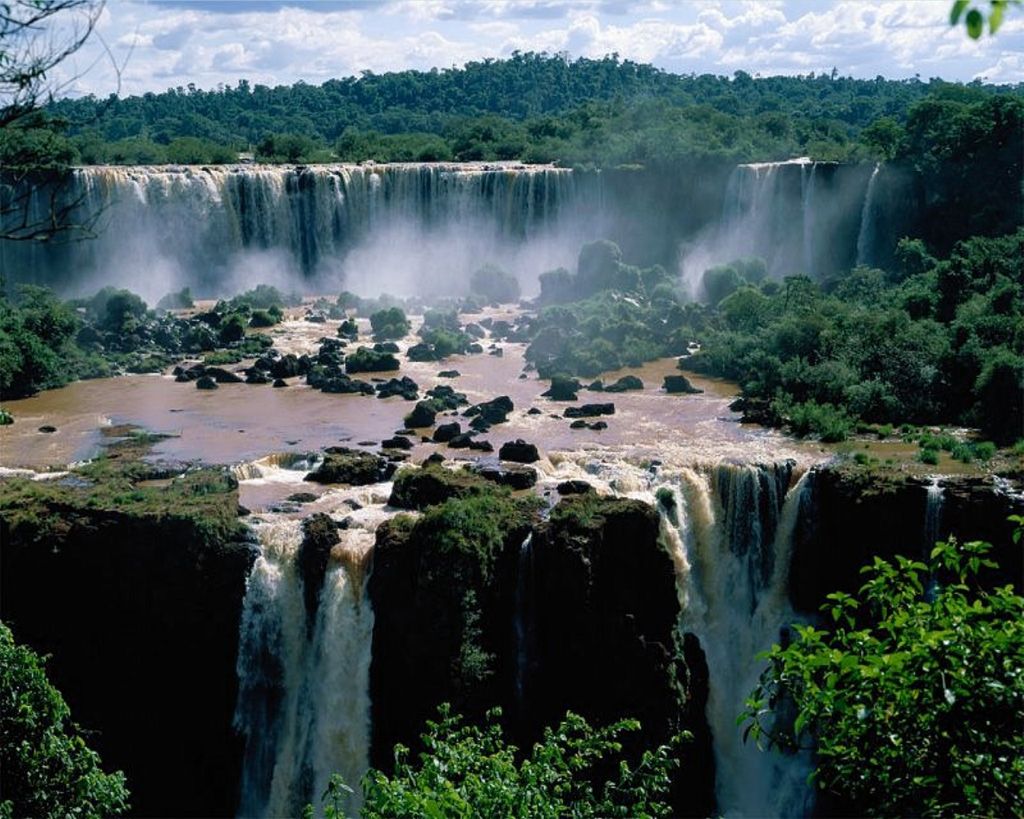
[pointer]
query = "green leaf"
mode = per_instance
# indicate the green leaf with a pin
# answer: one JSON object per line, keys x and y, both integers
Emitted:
{"x": 995, "y": 18}
{"x": 958, "y": 9}
{"x": 975, "y": 24}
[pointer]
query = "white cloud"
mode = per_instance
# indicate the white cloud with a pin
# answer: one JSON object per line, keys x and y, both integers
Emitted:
{"x": 206, "y": 43}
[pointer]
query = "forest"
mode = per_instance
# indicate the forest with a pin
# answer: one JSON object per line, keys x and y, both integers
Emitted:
{"x": 530, "y": 107}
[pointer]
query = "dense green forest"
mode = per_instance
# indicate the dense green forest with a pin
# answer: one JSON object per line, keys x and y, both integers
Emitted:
{"x": 533, "y": 107}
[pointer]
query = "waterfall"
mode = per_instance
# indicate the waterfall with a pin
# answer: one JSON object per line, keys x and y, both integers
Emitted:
{"x": 192, "y": 223}
{"x": 866, "y": 234}
{"x": 732, "y": 547}
{"x": 807, "y": 207}
{"x": 303, "y": 703}
{"x": 933, "y": 513}
{"x": 524, "y": 617}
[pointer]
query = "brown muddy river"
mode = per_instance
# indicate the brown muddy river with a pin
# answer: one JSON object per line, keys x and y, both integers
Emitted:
{"x": 241, "y": 423}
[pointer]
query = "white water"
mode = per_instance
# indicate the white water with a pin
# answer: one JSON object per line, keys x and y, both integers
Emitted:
{"x": 732, "y": 550}
{"x": 933, "y": 513}
{"x": 303, "y": 704}
{"x": 807, "y": 206}
{"x": 866, "y": 234}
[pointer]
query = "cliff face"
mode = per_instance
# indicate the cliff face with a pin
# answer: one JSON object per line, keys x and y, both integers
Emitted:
{"x": 139, "y": 607}
{"x": 856, "y": 514}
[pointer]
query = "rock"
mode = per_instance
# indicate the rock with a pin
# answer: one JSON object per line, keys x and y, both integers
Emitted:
{"x": 447, "y": 397}
{"x": 626, "y": 383}
{"x": 589, "y": 410}
{"x": 481, "y": 446}
{"x": 599, "y": 425}
{"x": 518, "y": 451}
{"x": 533, "y": 411}
{"x": 574, "y": 487}
{"x": 350, "y": 466}
{"x": 433, "y": 458}
{"x": 475, "y": 349}
{"x": 596, "y": 386}
{"x": 474, "y": 330}
{"x": 422, "y": 415}
{"x": 287, "y": 366}
{"x": 431, "y": 485}
{"x": 48, "y": 429}
{"x": 679, "y": 384}
{"x": 366, "y": 360}
{"x": 494, "y": 411}
{"x": 449, "y": 374}
{"x": 514, "y": 477}
{"x": 280, "y": 382}
{"x": 479, "y": 424}
{"x": 562, "y": 389}
{"x": 385, "y": 347}
{"x": 461, "y": 441}
{"x": 405, "y": 387}
{"x": 320, "y": 535}
{"x": 222, "y": 376}
{"x": 580, "y": 424}
{"x": 206, "y": 383}
{"x": 497, "y": 352}
{"x": 254, "y": 376}
{"x": 302, "y": 497}
{"x": 445, "y": 432}
{"x": 398, "y": 442}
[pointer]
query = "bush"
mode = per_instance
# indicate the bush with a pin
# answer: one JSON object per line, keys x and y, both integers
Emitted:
{"x": 389, "y": 324}
{"x": 914, "y": 702}
{"x": 182, "y": 300}
{"x": 46, "y": 769}
{"x": 494, "y": 284}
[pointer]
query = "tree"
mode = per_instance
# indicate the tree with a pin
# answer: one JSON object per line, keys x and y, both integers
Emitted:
{"x": 911, "y": 693}
{"x": 468, "y": 770}
{"x": 46, "y": 769}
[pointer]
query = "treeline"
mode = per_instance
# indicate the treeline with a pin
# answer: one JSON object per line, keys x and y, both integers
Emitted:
{"x": 531, "y": 107}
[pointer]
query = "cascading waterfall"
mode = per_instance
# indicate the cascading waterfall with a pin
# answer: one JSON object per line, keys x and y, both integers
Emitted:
{"x": 808, "y": 205}
{"x": 933, "y": 513}
{"x": 865, "y": 236}
{"x": 731, "y": 537}
{"x": 200, "y": 218}
{"x": 303, "y": 704}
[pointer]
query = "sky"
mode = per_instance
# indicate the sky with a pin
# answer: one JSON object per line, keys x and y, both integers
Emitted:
{"x": 171, "y": 43}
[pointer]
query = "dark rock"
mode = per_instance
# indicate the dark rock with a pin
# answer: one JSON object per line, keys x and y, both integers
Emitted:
{"x": 398, "y": 442}
{"x": 445, "y": 432}
{"x": 680, "y": 384}
{"x": 405, "y": 387}
{"x": 481, "y": 446}
{"x": 589, "y": 410}
{"x": 287, "y": 366}
{"x": 385, "y": 347}
{"x": 422, "y": 415}
{"x": 533, "y": 411}
{"x": 351, "y": 466}
{"x": 494, "y": 411}
{"x": 574, "y": 487}
{"x": 596, "y": 386}
{"x": 319, "y": 536}
{"x": 497, "y": 352}
{"x": 366, "y": 360}
{"x": 626, "y": 383}
{"x": 461, "y": 441}
{"x": 475, "y": 349}
{"x": 579, "y": 424}
{"x": 433, "y": 458}
{"x": 206, "y": 383}
{"x": 478, "y": 424}
{"x": 599, "y": 425}
{"x": 474, "y": 330}
{"x": 302, "y": 497}
{"x": 280, "y": 382}
{"x": 254, "y": 376}
{"x": 518, "y": 451}
{"x": 514, "y": 477}
{"x": 449, "y": 374}
{"x": 431, "y": 485}
{"x": 222, "y": 376}
{"x": 47, "y": 428}
{"x": 447, "y": 397}
{"x": 562, "y": 389}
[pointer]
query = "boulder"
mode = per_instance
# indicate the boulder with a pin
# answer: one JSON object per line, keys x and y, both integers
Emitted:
{"x": 280, "y": 382}
{"x": 574, "y": 487}
{"x": 589, "y": 410}
{"x": 514, "y": 477}
{"x": 287, "y": 366}
{"x": 445, "y": 432}
{"x": 431, "y": 485}
{"x": 398, "y": 442}
{"x": 680, "y": 385}
{"x": 449, "y": 374}
{"x": 562, "y": 389}
{"x": 422, "y": 415}
{"x": 405, "y": 387}
{"x": 626, "y": 383}
{"x": 494, "y": 411}
{"x": 319, "y": 536}
{"x": 350, "y": 466}
{"x": 206, "y": 383}
{"x": 518, "y": 451}
{"x": 222, "y": 376}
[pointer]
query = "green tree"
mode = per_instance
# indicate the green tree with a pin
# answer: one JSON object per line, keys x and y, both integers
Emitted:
{"x": 468, "y": 770}
{"x": 911, "y": 693}
{"x": 46, "y": 769}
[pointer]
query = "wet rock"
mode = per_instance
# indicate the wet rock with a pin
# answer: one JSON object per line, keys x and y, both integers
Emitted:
{"x": 474, "y": 330}
{"x": 497, "y": 352}
{"x": 481, "y": 446}
{"x": 680, "y": 385}
{"x": 574, "y": 487}
{"x": 494, "y": 411}
{"x": 431, "y": 485}
{"x": 398, "y": 442}
{"x": 514, "y": 477}
{"x": 562, "y": 389}
{"x": 302, "y": 497}
{"x": 206, "y": 383}
{"x": 449, "y": 374}
{"x": 385, "y": 347}
{"x": 48, "y": 429}
{"x": 596, "y": 386}
{"x": 366, "y": 360}
{"x": 287, "y": 366}
{"x": 589, "y": 410}
{"x": 422, "y": 415}
{"x": 479, "y": 424}
{"x": 599, "y": 425}
{"x": 579, "y": 424}
{"x": 461, "y": 441}
{"x": 626, "y": 383}
{"x": 319, "y": 536}
{"x": 280, "y": 382}
{"x": 445, "y": 432}
{"x": 476, "y": 349}
{"x": 533, "y": 411}
{"x": 519, "y": 451}
{"x": 350, "y": 466}
{"x": 405, "y": 387}
{"x": 433, "y": 458}
{"x": 254, "y": 376}
{"x": 447, "y": 397}
{"x": 222, "y": 376}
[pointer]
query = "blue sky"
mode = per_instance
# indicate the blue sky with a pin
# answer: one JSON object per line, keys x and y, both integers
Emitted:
{"x": 168, "y": 43}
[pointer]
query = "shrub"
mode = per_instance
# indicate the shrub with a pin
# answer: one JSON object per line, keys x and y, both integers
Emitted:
{"x": 494, "y": 284}
{"x": 389, "y": 324}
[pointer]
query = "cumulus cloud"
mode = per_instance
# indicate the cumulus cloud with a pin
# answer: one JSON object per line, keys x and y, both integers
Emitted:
{"x": 206, "y": 42}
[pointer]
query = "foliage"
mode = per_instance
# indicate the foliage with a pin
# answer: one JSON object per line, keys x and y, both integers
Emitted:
{"x": 974, "y": 19}
{"x": 389, "y": 323}
{"x": 46, "y": 768}
{"x": 911, "y": 693}
{"x": 467, "y": 770}
{"x": 36, "y": 335}
{"x": 494, "y": 284}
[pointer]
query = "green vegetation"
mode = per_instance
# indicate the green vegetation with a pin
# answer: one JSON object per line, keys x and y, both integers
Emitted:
{"x": 911, "y": 692}
{"x": 534, "y": 107}
{"x": 494, "y": 284}
{"x": 46, "y": 768}
{"x": 469, "y": 770}
{"x": 389, "y": 324}
{"x": 933, "y": 341}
